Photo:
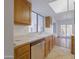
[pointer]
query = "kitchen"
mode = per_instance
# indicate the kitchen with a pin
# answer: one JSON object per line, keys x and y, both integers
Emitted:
{"x": 36, "y": 29}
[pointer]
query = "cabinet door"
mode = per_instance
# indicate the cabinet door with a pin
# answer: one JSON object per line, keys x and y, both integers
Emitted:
{"x": 48, "y": 21}
{"x": 24, "y": 56}
{"x": 22, "y": 12}
{"x": 22, "y": 52}
{"x": 54, "y": 38}
{"x": 51, "y": 42}
{"x": 73, "y": 45}
{"x": 47, "y": 46}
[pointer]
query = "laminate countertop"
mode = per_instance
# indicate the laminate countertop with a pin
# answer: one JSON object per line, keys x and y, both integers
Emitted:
{"x": 29, "y": 38}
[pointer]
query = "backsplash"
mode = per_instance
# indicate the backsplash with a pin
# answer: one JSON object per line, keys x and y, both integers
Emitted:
{"x": 21, "y": 30}
{"x": 50, "y": 30}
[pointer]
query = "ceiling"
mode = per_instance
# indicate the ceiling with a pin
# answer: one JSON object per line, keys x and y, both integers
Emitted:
{"x": 66, "y": 15}
{"x": 62, "y": 5}
{"x": 42, "y": 7}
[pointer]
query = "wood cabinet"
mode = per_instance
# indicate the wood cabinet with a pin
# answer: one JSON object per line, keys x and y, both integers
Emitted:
{"x": 51, "y": 42}
{"x": 48, "y": 45}
{"x": 34, "y": 49}
{"x": 72, "y": 44}
{"x": 48, "y": 21}
{"x": 22, "y": 52}
{"x": 22, "y": 12}
{"x": 54, "y": 40}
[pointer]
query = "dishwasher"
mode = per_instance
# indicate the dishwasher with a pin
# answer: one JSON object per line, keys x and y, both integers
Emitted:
{"x": 37, "y": 51}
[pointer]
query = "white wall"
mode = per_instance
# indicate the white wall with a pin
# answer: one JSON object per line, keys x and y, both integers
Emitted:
{"x": 8, "y": 29}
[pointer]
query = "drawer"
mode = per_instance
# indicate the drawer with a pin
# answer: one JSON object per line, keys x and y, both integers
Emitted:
{"x": 22, "y": 49}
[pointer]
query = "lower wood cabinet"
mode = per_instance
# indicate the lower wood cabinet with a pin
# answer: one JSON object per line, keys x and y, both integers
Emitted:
{"x": 72, "y": 44}
{"x": 54, "y": 40}
{"x": 40, "y": 49}
{"x": 22, "y": 52}
{"x": 24, "y": 56}
{"x": 48, "y": 45}
{"x": 51, "y": 42}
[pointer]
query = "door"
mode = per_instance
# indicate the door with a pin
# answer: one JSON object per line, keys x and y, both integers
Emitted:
{"x": 65, "y": 35}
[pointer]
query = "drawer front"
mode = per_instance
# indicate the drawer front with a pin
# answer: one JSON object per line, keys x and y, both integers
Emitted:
{"x": 22, "y": 49}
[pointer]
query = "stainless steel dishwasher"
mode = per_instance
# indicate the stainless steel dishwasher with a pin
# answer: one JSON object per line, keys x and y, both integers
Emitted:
{"x": 37, "y": 51}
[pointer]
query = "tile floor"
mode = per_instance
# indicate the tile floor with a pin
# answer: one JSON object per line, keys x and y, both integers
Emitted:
{"x": 60, "y": 53}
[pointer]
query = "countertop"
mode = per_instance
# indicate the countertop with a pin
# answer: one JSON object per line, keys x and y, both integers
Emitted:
{"x": 29, "y": 38}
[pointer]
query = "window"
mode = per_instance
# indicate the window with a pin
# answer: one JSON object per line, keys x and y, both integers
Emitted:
{"x": 37, "y": 23}
{"x": 34, "y": 22}
{"x": 33, "y": 27}
{"x": 40, "y": 23}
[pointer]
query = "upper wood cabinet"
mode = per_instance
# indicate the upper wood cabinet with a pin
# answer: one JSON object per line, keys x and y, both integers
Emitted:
{"x": 22, "y": 12}
{"x": 48, "y": 21}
